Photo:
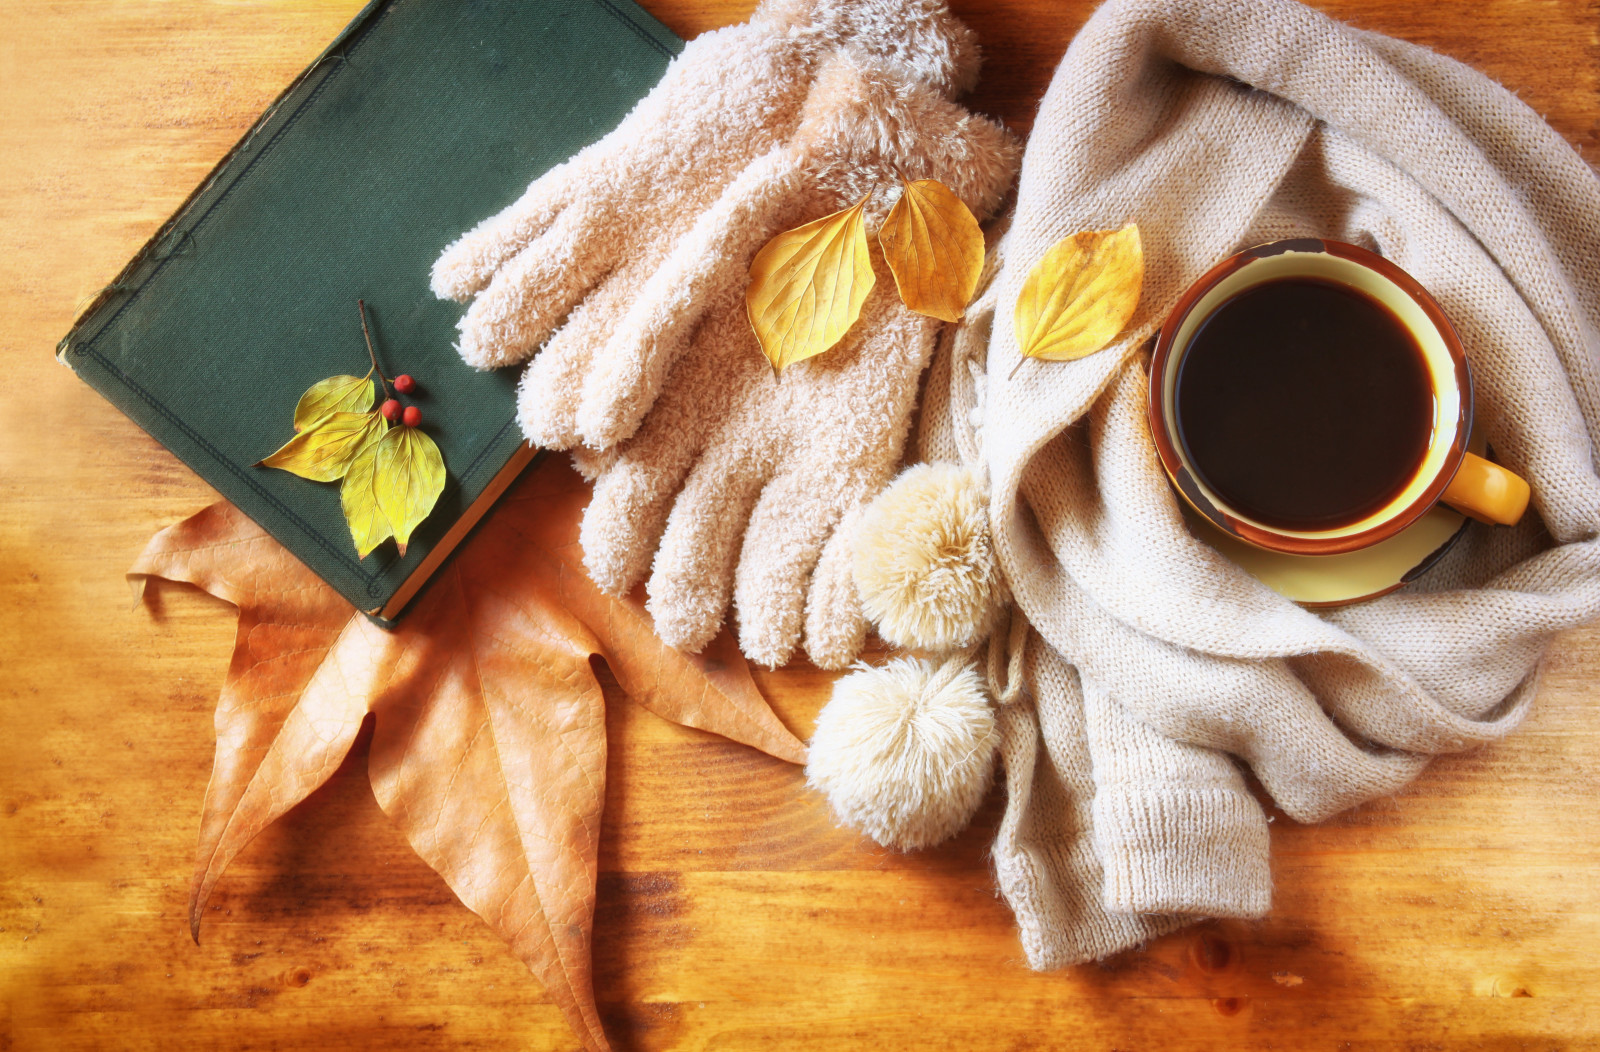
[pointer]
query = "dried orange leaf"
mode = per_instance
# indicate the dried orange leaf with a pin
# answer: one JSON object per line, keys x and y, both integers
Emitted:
{"x": 1081, "y": 294}
{"x": 488, "y": 749}
{"x": 336, "y": 394}
{"x": 807, "y": 286}
{"x": 934, "y": 248}
{"x": 323, "y": 452}
{"x": 409, "y": 472}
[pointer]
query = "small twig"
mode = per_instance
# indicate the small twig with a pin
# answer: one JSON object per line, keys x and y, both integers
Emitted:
{"x": 1014, "y": 368}
{"x": 362, "y": 307}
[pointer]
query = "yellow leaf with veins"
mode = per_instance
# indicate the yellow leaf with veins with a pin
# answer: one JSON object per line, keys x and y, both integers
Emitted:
{"x": 1081, "y": 294}
{"x": 807, "y": 286}
{"x": 934, "y": 248}
{"x": 323, "y": 451}
{"x": 358, "y": 497}
{"x": 336, "y": 394}
{"x": 409, "y": 472}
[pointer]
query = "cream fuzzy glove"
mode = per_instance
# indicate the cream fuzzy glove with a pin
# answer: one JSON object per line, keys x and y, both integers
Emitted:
{"x": 578, "y": 247}
{"x": 738, "y": 477}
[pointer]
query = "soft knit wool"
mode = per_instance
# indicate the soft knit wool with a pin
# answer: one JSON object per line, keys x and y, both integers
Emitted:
{"x": 1216, "y": 126}
{"x": 1113, "y": 832}
{"x": 625, "y": 259}
{"x": 738, "y": 477}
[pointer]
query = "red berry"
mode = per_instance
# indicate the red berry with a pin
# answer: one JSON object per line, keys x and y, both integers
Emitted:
{"x": 390, "y": 410}
{"x": 404, "y": 383}
{"x": 413, "y": 416}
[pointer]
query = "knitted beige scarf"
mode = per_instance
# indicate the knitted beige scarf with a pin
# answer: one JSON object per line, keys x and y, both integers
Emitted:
{"x": 1153, "y": 660}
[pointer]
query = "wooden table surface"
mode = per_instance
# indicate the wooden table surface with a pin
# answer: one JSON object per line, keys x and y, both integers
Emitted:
{"x": 1463, "y": 913}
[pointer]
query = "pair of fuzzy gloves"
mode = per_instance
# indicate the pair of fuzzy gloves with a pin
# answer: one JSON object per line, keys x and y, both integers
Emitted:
{"x": 621, "y": 274}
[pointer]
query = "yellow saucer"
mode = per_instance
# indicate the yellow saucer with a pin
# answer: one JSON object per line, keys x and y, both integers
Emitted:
{"x": 1338, "y": 580}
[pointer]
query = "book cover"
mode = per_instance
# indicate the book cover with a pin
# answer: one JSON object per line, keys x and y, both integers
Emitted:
{"x": 421, "y": 119}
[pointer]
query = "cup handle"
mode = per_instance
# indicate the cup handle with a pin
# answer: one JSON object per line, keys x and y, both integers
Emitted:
{"x": 1485, "y": 491}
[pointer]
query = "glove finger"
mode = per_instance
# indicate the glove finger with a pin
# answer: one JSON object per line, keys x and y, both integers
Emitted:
{"x": 469, "y": 263}
{"x": 703, "y": 277}
{"x": 781, "y": 547}
{"x": 535, "y": 290}
{"x": 836, "y": 627}
{"x": 552, "y": 387}
{"x": 592, "y": 463}
{"x": 693, "y": 575}
{"x": 632, "y": 498}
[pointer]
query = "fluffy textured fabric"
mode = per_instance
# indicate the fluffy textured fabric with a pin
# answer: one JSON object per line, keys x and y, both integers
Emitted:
{"x": 627, "y": 258}
{"x": 924, "y": 566}
{"x": 1214, "y": 127}
{"x": 734, "y": 482}
{"x": 920, "y": 37}
{"x": 579, "y": 243}
{"x": 905, "y": 752}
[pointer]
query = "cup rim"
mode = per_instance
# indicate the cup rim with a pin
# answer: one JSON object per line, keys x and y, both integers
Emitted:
{"x": 1257, "y": 534}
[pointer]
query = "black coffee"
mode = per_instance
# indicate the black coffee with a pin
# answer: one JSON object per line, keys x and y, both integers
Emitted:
{"x": 1304, "y": 404}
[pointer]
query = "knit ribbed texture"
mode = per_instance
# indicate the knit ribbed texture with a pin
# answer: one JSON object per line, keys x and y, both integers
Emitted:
{"x": 1214, "y": 127}
{"x": 1176, "y": 829}
{"x": 1045, "y": 852}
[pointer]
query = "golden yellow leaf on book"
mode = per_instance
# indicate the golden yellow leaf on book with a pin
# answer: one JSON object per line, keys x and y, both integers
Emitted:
{"x": 336, "y": 394}
{"x": 410, "y": 477}
{"x": 934, "y": 248}
{"x": 324, "y": 450}
{"x": 807, "y": 286}
{"x": 358, "y": 498}
{"x": 1081, "y": 294}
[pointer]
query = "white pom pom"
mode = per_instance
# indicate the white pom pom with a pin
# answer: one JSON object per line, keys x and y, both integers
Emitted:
{"x": 924, "y": 565}
{"x": 905, "y": 753}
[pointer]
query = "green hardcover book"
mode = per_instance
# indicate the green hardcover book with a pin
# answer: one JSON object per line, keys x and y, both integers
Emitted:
{"x": 421, "y": 118}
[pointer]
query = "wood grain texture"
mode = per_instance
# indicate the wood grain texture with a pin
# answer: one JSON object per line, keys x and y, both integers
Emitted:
{"x": 1464, "y": 913}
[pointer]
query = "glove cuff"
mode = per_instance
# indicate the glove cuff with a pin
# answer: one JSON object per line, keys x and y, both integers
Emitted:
{"x": 864, "y": 119}
{"x": 921, "y": 37}
{"x": 1198, "y": 851}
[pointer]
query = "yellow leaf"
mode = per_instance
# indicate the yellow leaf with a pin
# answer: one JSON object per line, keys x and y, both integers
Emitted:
{"x": 807, "y": 286}
{"x": 934, "y": 248}
{"x": 410, "y": 477}
{"x": 323, "y": 451}
{"x": 336, "y": 394}
{"x": 1081, "y": 294}
{"x": 358, "y": 496}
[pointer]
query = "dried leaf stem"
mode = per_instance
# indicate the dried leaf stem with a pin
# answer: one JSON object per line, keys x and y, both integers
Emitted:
{"x": 361, "y": 306}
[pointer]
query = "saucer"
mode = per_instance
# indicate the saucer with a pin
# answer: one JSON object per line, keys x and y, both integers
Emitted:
{"x": 1319, "y": 581}
{"x": 1326, "y": 581}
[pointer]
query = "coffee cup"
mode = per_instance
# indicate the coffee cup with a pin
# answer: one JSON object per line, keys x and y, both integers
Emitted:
{"x": 1310, "y": 397}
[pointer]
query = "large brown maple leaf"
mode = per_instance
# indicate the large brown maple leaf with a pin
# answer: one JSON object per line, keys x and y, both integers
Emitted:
{"x": 489, "y": 745}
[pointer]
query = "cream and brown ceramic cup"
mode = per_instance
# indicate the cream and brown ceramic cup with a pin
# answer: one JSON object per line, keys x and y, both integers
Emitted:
{"x": 1447, "y": 471}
